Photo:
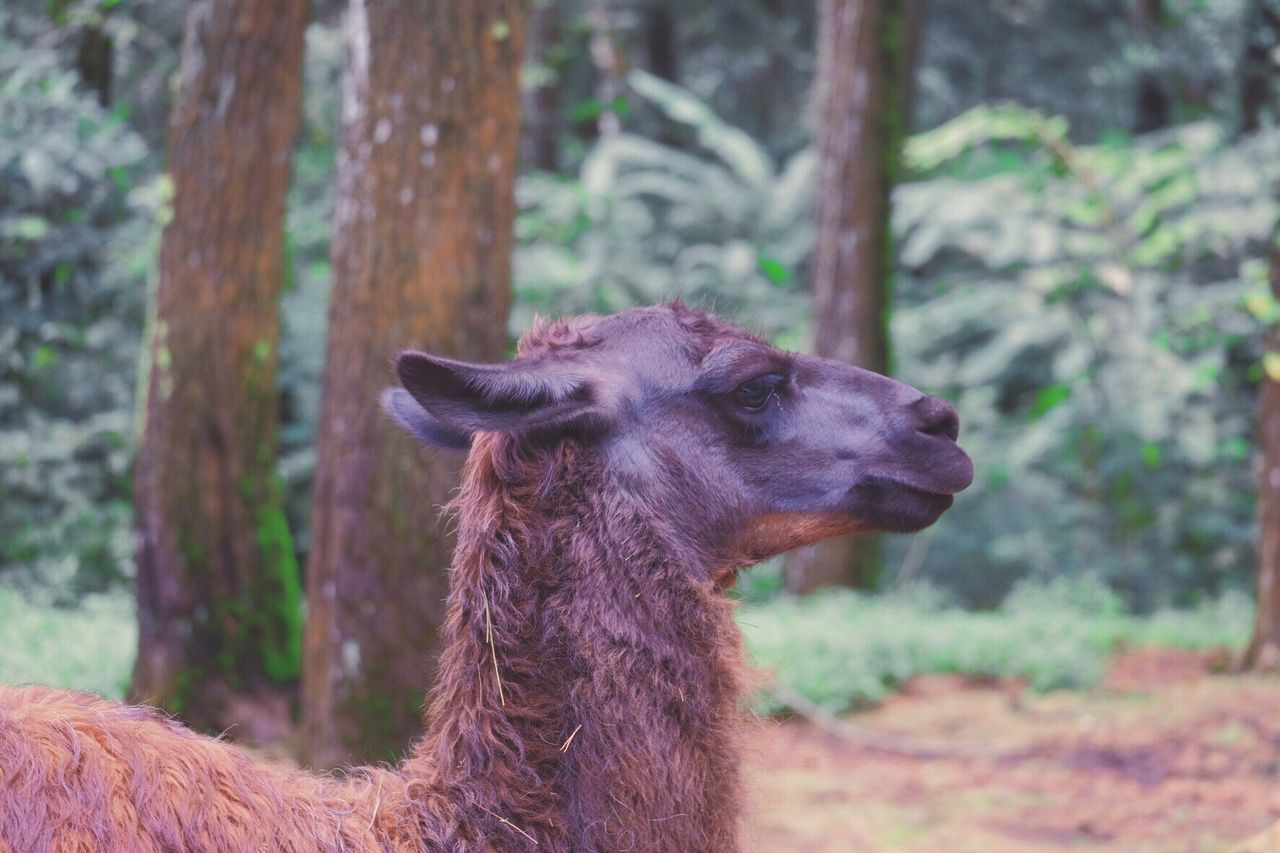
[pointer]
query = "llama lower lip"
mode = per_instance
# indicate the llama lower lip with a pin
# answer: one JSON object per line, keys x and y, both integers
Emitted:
{"x": 921, "y": 508}
{"x": 897, "y": 507}
{"x": 937, "y": 502}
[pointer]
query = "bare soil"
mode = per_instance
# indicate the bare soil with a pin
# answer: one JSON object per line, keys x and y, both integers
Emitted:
{"x": 1164, "y": 755}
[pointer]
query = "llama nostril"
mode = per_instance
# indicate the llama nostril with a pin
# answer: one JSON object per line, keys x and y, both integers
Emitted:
{"x": 937, "y": 417}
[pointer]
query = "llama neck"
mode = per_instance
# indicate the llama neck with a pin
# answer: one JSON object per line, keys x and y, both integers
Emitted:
{"x": 588, "y": 688}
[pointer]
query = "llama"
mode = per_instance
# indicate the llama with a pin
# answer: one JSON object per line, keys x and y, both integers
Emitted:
{"x": 622, "y": 470}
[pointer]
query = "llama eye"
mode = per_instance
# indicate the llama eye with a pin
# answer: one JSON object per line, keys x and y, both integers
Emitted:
{"x": 753, "y": 395}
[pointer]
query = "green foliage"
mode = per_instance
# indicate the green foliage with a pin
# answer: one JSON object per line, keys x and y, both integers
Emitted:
{"x": 75, "y": 245}
{"x": 304, "y": 308}
{"x": 719, "y": 224}
{"x": 841, "y": 650}
{"x": 1086, "y": 314}
{"x": 972, "y": 135}
{"x": 1083, "y": 60}
{"x": 1094, "y": 310}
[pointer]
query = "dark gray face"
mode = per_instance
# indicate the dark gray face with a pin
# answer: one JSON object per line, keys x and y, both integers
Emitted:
{"x": 754, "y": 450}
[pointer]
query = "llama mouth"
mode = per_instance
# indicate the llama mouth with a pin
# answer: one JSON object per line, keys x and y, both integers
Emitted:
{"x": 895, "y": 506}
{"x": 927, "y": 491}
{"x": 941, "y": 489}
{"x": 915, "y": 508}
{"x": 917, "y": 488}
{"x": 939, "y": 474}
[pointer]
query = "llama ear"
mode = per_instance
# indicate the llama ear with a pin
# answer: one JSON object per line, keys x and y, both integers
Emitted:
{"x": 419, "y": 423}
{"x": 494, "y": 397}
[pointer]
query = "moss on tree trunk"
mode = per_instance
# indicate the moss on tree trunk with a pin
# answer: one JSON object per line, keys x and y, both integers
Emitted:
{"x": 219, "y": 602}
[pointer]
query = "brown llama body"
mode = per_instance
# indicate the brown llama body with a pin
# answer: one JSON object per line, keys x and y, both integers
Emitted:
{"x": 588, "y": 689}
{"x": 82, "y": 774}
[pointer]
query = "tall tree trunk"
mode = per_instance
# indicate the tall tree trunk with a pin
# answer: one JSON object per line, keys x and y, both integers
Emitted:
{"x": 660, "y": 41}
{"x": 1264, "y": 651}
{"x": 1259, "y": 68}
{"x": 865, "y": 55}
{"x": 94, "y": 61}
{"x": 659, "y": 34}
{"x": 94, "y": 53}
{"x": 609, "y": 64}
{"x": 1152, "y": 109}
{"x": 422, "y": 240}
{"x": 771, "y": 102}
{"x": 219, "y": 602}
{"x": 542, "y": 102}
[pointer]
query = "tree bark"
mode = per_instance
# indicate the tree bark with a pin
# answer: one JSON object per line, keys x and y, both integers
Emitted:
{"x": 1259, "y": 67}
{"x": 422, "y": 239}
{"x": 94, "y": 57}
{"x": 1263, "y": 652}
{"x": 659, "y": 34}
{"x": 660, "y": 41}
{"x": 219, "y": 602}
{"x": 542, "y": 108}
{"x": 609, "y": 64}
{"x": 94, "y": 53}
{"x": 865, "y": 57}
{"x": 1152, "y": 107}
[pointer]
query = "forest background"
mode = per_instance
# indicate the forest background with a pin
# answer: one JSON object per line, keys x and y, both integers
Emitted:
{"x": 1077, "y": 205}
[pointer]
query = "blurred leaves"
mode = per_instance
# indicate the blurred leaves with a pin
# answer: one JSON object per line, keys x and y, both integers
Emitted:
{"x": 978, "y": 127}
{"x": 75, "y": 248}
{"x": 717, "y": 224}
{"x": 731, "y": 146}
{"x": 842, "y": 650}
{"x": 1100, "y": 361}
{"x": 1095, "y": 310}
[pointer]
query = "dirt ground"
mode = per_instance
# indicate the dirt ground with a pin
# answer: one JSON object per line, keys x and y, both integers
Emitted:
{"x": 1163, "y": 756}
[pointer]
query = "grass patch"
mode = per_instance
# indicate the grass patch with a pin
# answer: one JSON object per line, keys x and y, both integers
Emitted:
{"x": 839, "y": 649}
{"x": 842, "y": 650}
{"x": 89, "y": 647}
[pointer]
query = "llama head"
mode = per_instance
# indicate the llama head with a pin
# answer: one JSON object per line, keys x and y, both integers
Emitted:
{"x": 746, "y": 449}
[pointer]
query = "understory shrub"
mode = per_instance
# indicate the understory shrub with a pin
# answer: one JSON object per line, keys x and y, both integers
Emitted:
{"x": 842, "y": 650}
